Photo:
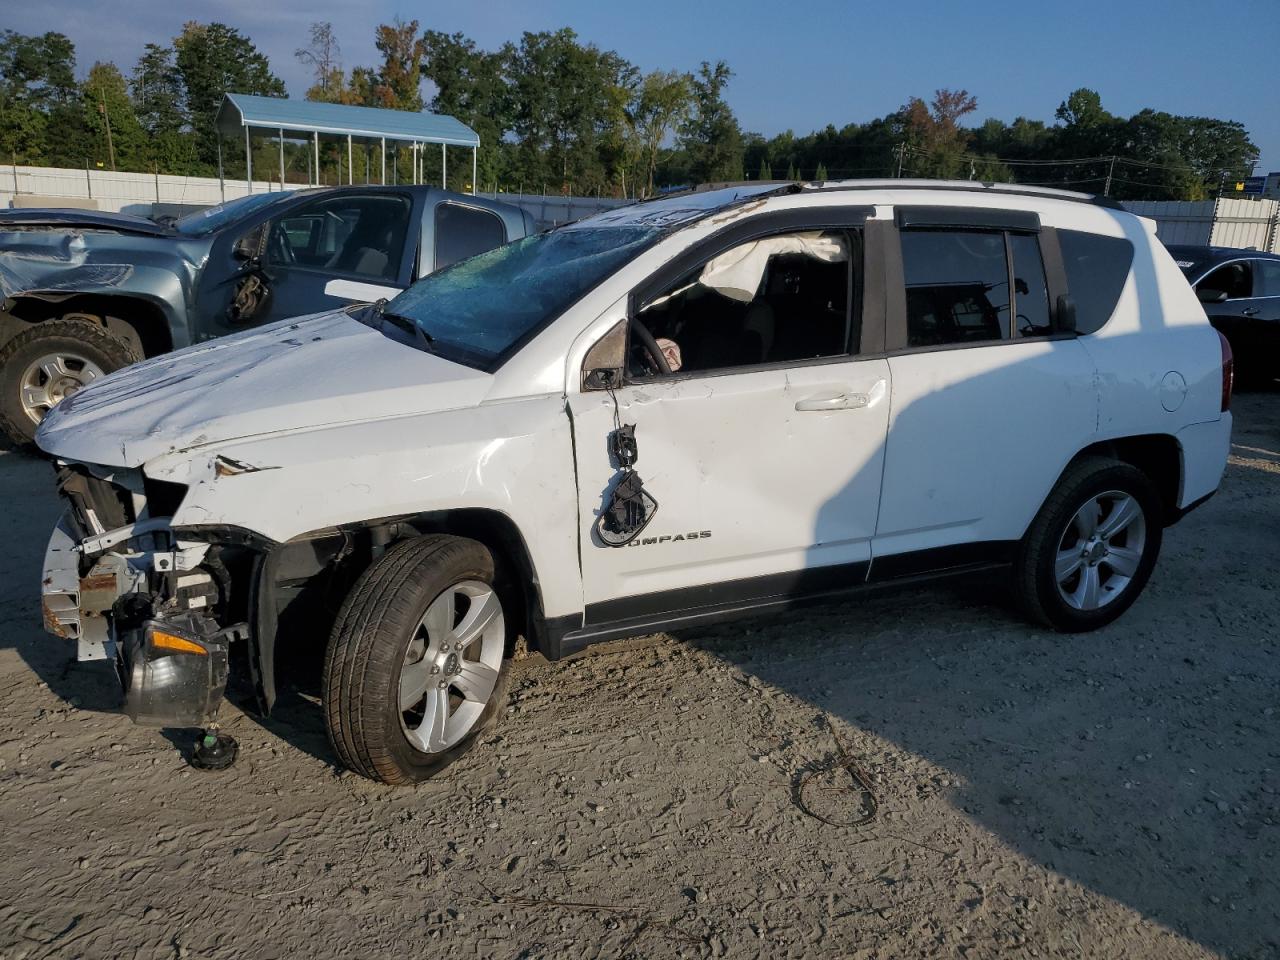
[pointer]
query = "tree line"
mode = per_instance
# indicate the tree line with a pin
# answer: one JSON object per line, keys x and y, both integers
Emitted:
{"x": 559, "y": 115}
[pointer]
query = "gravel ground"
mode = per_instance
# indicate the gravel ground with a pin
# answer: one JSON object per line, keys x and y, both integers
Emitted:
{"x": 1106, "y": 795}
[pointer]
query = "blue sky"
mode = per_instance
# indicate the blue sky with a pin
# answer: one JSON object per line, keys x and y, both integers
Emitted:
{"x": 801, "y": 66}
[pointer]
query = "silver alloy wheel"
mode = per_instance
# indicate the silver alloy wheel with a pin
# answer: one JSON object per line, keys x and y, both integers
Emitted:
{"x": 451, "y": 665}
{"x": 50, "y": 379}
{"x": 1099, "y": 552}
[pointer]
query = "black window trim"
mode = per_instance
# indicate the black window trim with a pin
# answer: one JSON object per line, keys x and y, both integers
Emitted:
{"x": 435, "y": 226}
{"x": 772, "y": 223}
{"x": 976, "y": 218}
{"x": 896, "y": 334}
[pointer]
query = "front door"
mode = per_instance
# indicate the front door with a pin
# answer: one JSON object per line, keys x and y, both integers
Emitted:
{"x": 319, "y": 254}
{"x": 763, "y": 445}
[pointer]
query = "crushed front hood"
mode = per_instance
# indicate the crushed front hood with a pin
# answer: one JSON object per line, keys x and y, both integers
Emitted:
{"x": 299, "y": 374}
{"x": 58, "y": 218}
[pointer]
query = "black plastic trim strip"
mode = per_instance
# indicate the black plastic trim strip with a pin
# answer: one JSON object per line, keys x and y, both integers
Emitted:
{"x": 719, "y": 602}
{"x": 936, "y": 559}
{"x": 1023, "y": 221}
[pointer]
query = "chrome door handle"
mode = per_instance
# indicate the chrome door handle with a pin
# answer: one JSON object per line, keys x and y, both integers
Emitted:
{"x": 1250, "y": 311}
{"x": 837, "y": 399}
{"x": 840, "y": 401}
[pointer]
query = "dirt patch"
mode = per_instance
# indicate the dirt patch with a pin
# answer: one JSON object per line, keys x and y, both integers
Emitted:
{"x": 1113, "y": 794}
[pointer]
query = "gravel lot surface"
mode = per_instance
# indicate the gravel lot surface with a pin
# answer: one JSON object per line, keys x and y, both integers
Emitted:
{"x": 1115, "y": 794}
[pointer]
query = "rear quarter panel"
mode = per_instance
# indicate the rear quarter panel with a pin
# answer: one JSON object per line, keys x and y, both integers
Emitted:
{"x": 1158, "y": 352}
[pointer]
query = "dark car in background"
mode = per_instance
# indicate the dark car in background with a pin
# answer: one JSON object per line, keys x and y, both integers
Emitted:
{"x": 1240, "y": 291}
{"x": 86, "y": 293}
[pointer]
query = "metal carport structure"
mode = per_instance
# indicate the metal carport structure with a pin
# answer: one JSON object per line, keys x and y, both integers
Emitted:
{"x": 246, "y": 112}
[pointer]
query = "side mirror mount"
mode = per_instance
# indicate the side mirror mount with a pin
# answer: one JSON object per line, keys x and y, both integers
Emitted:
{"x": 1064, "y": 320}
{"x": 252, "y": 245}
{"x": 1210, "y": 295}
{"x": 602, "y": 369}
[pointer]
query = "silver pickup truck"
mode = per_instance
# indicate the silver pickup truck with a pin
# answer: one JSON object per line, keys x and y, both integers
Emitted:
{"x": 87, "y": 293}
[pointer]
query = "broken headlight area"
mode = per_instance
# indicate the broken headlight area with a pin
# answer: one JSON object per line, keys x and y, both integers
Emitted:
{"x": 173, "y": 670}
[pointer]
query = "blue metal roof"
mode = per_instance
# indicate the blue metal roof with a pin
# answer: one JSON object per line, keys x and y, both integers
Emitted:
{"x": 241, "y": 110}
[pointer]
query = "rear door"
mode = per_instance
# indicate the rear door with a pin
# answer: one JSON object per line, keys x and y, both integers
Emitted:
{"x": 988, "y": 401}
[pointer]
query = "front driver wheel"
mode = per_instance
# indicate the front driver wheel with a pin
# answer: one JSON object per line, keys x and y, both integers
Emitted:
{"x": 416, "y": 668}
{"x": 50, "y": 361}
{"x": 1091, "y": 548}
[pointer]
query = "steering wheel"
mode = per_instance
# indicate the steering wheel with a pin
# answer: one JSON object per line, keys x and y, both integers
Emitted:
{"x": 650, "y": 347}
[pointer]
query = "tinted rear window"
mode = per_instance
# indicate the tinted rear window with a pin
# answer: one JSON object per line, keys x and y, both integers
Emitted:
{"x": 1096, "y": 271}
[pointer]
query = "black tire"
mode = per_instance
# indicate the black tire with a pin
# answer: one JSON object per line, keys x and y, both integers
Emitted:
{"x": 1035, "y": 584}
{"x": 367, "y": 649}
{"x": 78, "y": 336}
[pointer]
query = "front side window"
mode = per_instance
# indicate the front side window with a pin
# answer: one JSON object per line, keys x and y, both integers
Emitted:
{"x": 478, "y": 309}
{"x": 1233, "y": 279}
{"x": 775, "y": 299}
{"x": 350, "y": 235}
{"x": 463, "y": 232}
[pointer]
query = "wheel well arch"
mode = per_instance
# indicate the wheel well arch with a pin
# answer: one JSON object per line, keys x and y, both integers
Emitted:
{"x": 137, "y": 320}
{"x": 300, "y": 584}
{"x": 1158, "y": 455}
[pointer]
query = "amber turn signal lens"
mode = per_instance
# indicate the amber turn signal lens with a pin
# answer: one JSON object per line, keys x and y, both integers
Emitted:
{"x": 167, "y": 641}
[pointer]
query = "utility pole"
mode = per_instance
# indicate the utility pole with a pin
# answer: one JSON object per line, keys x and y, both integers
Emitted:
{"x": 902, "y": 148}
{"x": 106, "y": 118}
{"x": 1111, "y": 168}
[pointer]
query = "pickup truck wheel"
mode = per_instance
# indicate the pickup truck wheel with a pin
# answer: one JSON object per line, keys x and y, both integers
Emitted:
{"x": 416, "y": 667}
{"x": 47, "y": 363}
{"x": 1091, "y": 548}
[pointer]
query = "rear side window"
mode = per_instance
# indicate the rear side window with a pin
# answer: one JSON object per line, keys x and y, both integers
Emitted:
{"x": 462, "y": 232}
{"x": 1031, "y": 291}
{"x": 957, "y": 286}
{"x": 960, "y": 290}
{"x": 1268, "y": 278}
{"x": 1096, "y": 269}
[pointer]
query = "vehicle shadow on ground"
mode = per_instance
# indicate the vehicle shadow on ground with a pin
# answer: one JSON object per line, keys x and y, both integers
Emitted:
{"x": 1139, "y": 761}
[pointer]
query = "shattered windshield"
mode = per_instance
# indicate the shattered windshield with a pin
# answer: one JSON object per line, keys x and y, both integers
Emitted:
{"x": 482, "y": 307}
{"x": 204, "y": 222}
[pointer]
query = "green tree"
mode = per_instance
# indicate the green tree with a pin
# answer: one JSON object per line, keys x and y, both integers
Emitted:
{"x": 661, "y": 106}
{"x": 115, "y": 136}
{"x": 159, "y": 104}
{"x": 766, "y": 171}
{"x": 821, "y": 173}
{"x": 471, "y": 85}
{"x": 37, "y": 79}
{"x": 214, "y": 59}
{"x": 399, "y": 79}
{"x": 711, "y": 136}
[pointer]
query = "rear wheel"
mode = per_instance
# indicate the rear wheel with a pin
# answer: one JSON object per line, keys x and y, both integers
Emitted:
{"x": 1091, "y": 548}
{"x": 50, "y": 361}
{"x": 416, "y": 668}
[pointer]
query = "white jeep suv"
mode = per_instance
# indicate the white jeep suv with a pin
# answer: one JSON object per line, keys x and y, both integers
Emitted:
{"x": 712, "y": 404}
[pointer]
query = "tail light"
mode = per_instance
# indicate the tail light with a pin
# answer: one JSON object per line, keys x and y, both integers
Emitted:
{"x": 1228, "y": 372}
